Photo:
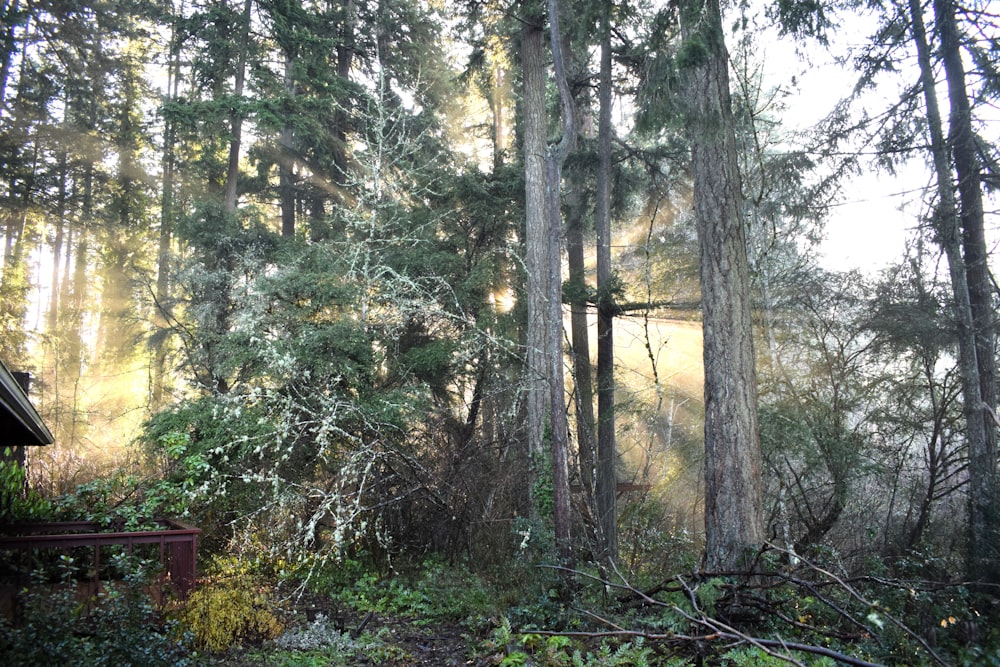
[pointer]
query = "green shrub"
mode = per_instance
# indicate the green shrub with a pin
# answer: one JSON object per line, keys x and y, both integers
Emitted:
{"x": 435, "y": 592}
{"x": 513, "y": 649}
{"x": 18, "y": 503}
{"x": 119, "y": 626}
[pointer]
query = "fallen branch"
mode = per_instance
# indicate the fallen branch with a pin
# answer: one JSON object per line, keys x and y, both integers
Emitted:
{"x": 718, "y": 630}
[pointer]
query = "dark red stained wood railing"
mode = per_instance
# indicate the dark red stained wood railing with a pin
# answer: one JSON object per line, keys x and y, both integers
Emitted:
{"x": 178, "y": 544}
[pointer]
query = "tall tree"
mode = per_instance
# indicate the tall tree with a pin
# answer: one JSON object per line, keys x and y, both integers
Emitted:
{"x": 984, "y": 547}
{"x": 555, "y": 158}
{"x": 236, "y": 112}
{"x": 733, "y": 493}
{"x": 163, "y": 311}
{"x": 949, "y": 218}
{"x": 536, "y": 232}
{"x": 607, "y": 454}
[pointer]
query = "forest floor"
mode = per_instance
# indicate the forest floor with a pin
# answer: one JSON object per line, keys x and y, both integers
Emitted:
{"x": 404, "y": 644}
{"x": 375, "y": 640}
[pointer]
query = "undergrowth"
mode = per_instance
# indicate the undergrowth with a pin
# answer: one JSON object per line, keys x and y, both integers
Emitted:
{"x": 57, "y": 625}
{"x": 808, "y": 614}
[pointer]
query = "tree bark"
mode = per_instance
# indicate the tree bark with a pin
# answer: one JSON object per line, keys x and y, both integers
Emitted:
{"x": 949, "y": 237}
{"x": 535, "y": 238}
{"x": 984, "y": 547}
{"x": 733, "y": 494}
{"x": 555, "y": 158}
{"x": 607, "y": 454}
{"x": 236, "y": 114}
{"x": 163, "y": 311}
{"x": 580, "y": 342}
{"x": 285, "y": 161}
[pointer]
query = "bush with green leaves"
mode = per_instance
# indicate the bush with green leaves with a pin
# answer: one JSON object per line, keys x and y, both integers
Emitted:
{"x": 516, "y": 649}
{"x": 118, "y": 626}
{"x": 435, "y": 592}
{"x": 18, "y": 502}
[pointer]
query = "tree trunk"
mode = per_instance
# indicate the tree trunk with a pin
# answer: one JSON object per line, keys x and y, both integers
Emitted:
{"x": 949, "y": 236}
{"x": 236, "y": 114}
{"x": 607, "y": 454}
{"x": 163, "y": 312}
{"x": 535, "y": 238}
{"x": 285, "y": 162}
{"x": 984, "y": 546}
{"x": 555, "y": 157}
{"x": 580, "y": 341}
{"x": 734, "y": 522}
{"x": 561, "y": 518}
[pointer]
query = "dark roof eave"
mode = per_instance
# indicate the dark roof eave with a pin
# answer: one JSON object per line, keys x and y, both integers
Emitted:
{"x": 16, "y": 403}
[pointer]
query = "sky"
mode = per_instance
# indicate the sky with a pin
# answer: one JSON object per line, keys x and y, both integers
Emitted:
{"x": 868, "y": 230}
{"x": 877, "y": 214}
{"x": 868, "y": 227}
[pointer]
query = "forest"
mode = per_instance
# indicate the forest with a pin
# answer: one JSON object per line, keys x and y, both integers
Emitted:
{"x": 504, "y": 332}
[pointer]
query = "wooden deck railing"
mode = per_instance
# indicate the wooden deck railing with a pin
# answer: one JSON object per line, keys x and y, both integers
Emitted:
{"x": 178, "y": 544}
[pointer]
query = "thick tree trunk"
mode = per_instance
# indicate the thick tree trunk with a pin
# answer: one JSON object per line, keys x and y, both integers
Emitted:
{"x": 984, "y": 546}
{"x": 536, "y": 237}
{"x": 733, "y": 494}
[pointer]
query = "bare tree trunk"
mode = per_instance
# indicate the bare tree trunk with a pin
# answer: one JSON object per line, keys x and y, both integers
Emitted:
{"x": 984, "y": 547}
{"x": 580, "y": 341}
{"x": 535, "y": 238}
{"x": 734, "y": 523}
{"x": 285, "y": 161}
{"x": 561, "y": 518}
{"x": 555, "y": 157}
{"x": 607, "y": 451}
{"x": 236, "y": 114}
{"x": 163, "y": 310}
{"x": 981, "y": 473}
{"x": 578, "y": 298}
